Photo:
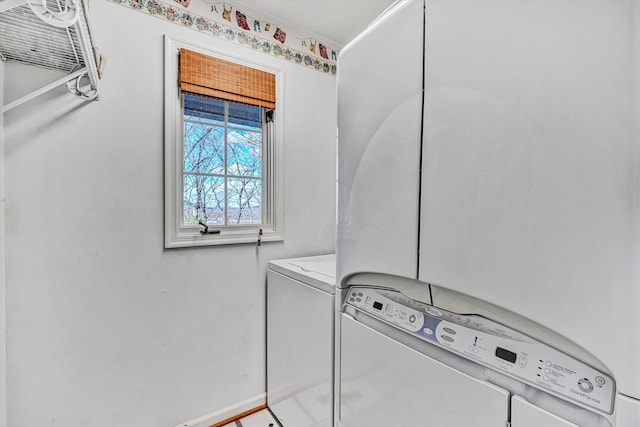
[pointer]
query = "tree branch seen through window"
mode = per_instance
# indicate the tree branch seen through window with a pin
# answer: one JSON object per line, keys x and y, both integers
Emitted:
{"x": 223, "y": 162}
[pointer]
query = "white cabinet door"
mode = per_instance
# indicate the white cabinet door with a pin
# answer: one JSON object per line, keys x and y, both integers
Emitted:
{"x": 379, "y": 124}
{"x": 528, "y": 169}
{"x": 385, "y": 383}
{"x": 524, "y": 414}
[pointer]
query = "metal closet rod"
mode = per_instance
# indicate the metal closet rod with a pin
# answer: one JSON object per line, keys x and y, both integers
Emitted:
{"x": 44, "y": 89}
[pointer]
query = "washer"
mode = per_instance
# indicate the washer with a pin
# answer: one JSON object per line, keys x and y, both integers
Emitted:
{"x": 403, "y": 361}
{"x": 300, "y": 328}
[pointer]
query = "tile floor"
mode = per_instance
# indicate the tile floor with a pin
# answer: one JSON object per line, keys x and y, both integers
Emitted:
{"x": 259, "y": 419}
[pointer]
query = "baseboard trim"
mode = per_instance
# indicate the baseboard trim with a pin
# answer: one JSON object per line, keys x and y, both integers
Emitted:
{"x": 229, "y": 414}
{"x": 240, "y": 416}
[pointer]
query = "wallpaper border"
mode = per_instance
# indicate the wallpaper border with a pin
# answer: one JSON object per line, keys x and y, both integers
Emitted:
{"x": 205, "y": 25}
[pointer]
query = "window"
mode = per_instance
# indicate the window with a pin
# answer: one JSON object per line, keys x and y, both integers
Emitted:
{"x": 222, "y": 162}
{"x": 222, "y": 149}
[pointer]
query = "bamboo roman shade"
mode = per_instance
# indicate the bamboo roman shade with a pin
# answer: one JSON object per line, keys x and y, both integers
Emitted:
{"x": 205, "y": 75}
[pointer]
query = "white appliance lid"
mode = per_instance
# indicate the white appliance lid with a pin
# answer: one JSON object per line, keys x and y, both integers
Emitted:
{"x": 317, "y": 271}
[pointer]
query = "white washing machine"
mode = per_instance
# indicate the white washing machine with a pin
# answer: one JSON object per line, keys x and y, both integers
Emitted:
{"x": 300, "y": 327}
{"x": 405, "y": 363}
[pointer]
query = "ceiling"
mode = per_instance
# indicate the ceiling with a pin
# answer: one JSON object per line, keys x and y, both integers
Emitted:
{"x": 336, "y": 21}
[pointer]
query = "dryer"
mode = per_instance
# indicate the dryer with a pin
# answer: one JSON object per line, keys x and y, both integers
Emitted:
{"x": 489, "y": 152}
{"x": 300, "y": 334}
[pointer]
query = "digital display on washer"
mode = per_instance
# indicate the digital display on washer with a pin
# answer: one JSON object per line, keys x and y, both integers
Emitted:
{"x": 507, "y": 355}
{"x": 377, "y": 305}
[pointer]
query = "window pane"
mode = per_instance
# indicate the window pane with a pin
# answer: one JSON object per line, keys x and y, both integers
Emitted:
{"x": 245, "y": 153}
{"x": 245, "y": 201}
{"x": 241, "y": 115}
{"x": 204, "y": 109}
{"x": 203, "y": 200}
{"x": 203, "y": 148}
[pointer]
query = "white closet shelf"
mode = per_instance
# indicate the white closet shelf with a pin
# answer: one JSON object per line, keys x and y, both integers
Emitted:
{"x": 52, "y": 34}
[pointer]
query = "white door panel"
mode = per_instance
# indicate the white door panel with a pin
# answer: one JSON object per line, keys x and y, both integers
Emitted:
{"x": 627, "y": 412}
{"x": 528, "y": 183}
{"x": 385, "y": 383}
{"x": 379, "y": 125}
{"x": 524, "y": 414}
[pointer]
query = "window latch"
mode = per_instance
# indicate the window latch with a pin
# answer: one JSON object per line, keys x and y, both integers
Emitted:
{"x": 206, "y": 229}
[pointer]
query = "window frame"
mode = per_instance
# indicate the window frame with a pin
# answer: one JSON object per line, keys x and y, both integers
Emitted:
{"x": 176, "y": 234}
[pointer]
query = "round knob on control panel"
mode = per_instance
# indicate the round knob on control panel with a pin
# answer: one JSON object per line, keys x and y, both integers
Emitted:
{"x": 585, "y": 385}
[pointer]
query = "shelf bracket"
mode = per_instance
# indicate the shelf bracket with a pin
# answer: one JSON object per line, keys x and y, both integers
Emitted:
{"x": 52, "y": 85}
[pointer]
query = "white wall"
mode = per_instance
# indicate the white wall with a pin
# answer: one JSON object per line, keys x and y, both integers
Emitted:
{"x": 3, "y": 269}
{"x": 106, "y": 328}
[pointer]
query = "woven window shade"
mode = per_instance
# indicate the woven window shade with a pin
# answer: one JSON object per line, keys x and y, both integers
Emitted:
{"x": 204, "y": 75}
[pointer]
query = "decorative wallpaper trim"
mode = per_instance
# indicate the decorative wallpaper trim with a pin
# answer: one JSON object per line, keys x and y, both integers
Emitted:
{"x": 200, "y": 23}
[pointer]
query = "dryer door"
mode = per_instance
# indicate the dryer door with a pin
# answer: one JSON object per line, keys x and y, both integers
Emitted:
{"x": 385, "y": 383}
{"x": 524, "y": 414}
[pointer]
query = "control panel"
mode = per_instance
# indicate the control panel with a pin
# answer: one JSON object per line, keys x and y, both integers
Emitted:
{"x": 491, "y": 344}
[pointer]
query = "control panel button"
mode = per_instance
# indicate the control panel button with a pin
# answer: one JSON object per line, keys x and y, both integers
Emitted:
{"x": 449, "y": 331}
{"x": 523, "y": 361}
{"x": 585, "y": 385}
{"x": 432, "y": 311}
{"x": 412, "y": 318}
{"x": 447, "y": 338}
{"x": 428, "y": 331}
{"x": 600, "y": 380}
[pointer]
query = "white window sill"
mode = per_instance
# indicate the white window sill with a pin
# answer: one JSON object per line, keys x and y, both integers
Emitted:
{"x": 226, "y": 237}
